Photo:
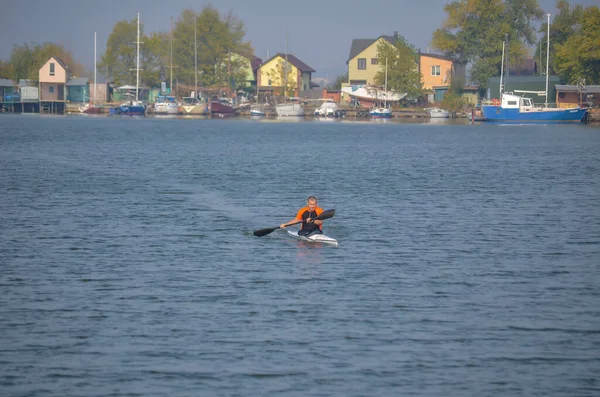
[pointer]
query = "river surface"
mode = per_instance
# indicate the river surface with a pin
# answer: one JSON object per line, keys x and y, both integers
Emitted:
{"x": 468, "y": 261}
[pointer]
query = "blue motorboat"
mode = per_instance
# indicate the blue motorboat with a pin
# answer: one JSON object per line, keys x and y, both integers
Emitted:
{"x": 514, "y": 108}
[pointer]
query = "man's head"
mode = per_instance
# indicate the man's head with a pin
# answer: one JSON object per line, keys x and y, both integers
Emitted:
{"x": 312, "y": 203}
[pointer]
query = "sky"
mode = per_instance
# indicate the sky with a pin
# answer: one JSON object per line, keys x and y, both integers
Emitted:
{"x": 319, "y": 32}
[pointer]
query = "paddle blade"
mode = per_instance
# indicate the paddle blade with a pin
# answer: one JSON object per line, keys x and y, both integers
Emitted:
{"x": 264, "y": 232}
{"x": 326, "y": 215}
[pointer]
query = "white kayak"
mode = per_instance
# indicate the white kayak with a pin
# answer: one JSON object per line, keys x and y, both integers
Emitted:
{"x": 315, "y": 238}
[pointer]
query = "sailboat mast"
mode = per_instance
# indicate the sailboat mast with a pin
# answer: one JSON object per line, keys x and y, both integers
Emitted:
{"x": 137, "y": 66}
{"x": 507, "y": 71}
{"x": 94, "y": 66}
{"x": 547, "y": 59}
{"x": 385, "y": 85}
{"x": 171, "y": 58}
{"x": 502, "y": 70}
{"x": 286, "y": 69}
{"x": 195, "y": 61}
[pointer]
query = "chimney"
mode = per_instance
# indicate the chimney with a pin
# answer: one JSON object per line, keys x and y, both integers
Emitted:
{"x": 395, "y": 33}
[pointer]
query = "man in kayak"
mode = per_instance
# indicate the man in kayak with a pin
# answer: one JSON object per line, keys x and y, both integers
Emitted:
{"x": 306, "y": 215}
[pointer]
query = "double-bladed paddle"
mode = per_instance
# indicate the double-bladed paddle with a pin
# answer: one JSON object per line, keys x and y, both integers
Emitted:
{"x": 324, "y": 215}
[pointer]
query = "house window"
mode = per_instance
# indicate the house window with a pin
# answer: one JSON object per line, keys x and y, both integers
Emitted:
{"x": 374, "y": 61}
{"x": 362, "y": 63}
{"x": 51, "y": 68}
{"x": 51, "y": 89}
{"x": 435, "y": 70}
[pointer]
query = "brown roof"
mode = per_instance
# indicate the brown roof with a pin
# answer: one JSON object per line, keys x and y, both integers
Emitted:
{"x": 437, "y": 56}
{"x": 61, "y": 63}
{"x": 359, "y": 45}
{"x": 294, "y": 61}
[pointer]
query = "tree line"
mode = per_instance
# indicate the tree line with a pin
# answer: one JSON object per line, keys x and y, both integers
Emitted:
{"x": 472, "y": 33}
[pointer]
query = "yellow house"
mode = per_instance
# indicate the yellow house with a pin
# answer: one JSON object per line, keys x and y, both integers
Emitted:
{"x": 436, "y": 70}
{"x": 53, "y": 77}
{"x": 271, "y": 75}
{"x": 362, "y": 62}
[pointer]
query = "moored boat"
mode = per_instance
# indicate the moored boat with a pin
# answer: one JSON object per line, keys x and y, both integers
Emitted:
{"x": 437, "y": 113}
{"x": 166, "y": 104}
{"x": 257, "y": 112}
{"x": 134, "y": 107}
{"x": 289, "y": 109}
{"x": 193, "y": 106}
{"x": 222, "y": 108}
{"x": 511, "y": 108}
{"x": 368, "y": 95}
{"x": 90, "y": 108}
{"x": 381, "y": 112}
{"x": 327, "y": 109}
{"x": 515, "y": 109}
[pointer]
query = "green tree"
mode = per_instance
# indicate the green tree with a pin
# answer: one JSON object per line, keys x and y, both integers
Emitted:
{"x": 578, "y": 58}
{"x": 5, "y": 70}
{"x": 154, "y": 55}
{"x": 474, "y": 30}
{"x": 563, "y": 26}
{"x": 22, "y": 63}
{"x": 402, "y": 68}
{"x": 26, "y": 60}
{"x": 217, "y": 37}
{"x": 120, "y": 58}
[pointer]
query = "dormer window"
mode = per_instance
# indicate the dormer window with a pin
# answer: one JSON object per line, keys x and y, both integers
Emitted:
{"x": 51, "y": 68}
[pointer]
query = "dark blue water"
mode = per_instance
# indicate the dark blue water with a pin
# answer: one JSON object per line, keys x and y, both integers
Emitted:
{"x": 468, "y": 262}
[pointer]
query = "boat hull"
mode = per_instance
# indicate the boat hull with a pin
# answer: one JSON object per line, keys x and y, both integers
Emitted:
{"x": 90, "y": 109}
{"x": 289, "y": 110}
{"x": 500, "y": 114}
{"x": 200, "y": 110}
{"x": 132, "y": 110}
{"x": 381, "y": 113}
{"x": 368, "y": 96}
{"x": 439, "y": 114}
{"x": 166, "y": 109}
{"x": 315, "y": 238}
{"x": 220, "y": 108}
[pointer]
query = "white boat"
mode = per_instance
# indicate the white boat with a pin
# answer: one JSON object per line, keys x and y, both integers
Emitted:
{"x": 437, "y": 113}
{"x": 166, "y": 105}
{"x": 289, "y": 109}
{"x": 256, "y": 111}
{"x": 314, "y": 238}
{"x": 368, "y": 95}
{"x": 327, "y": 109}
{"x": 194, "y": 106}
